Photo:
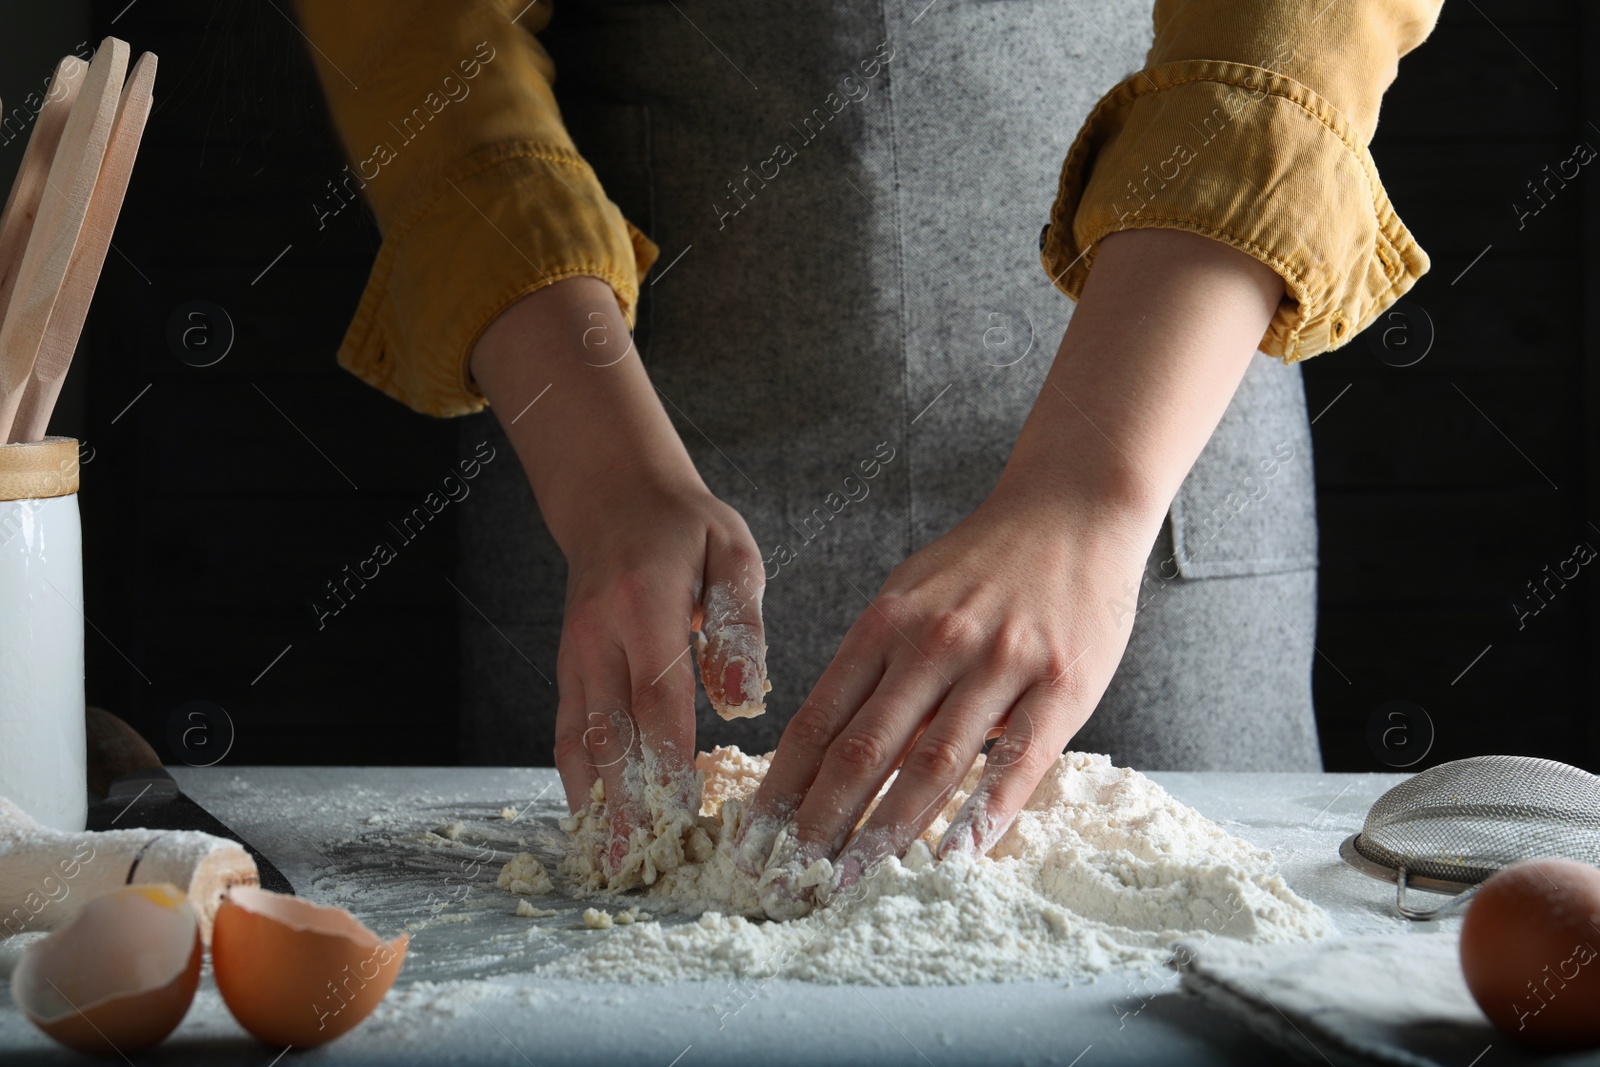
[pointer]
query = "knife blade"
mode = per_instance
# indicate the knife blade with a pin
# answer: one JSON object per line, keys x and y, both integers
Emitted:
{"x": 145, "y": 796}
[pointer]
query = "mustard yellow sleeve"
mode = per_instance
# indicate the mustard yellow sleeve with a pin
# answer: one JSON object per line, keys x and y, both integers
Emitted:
{"x": 1250, "y": 124}
{"x": 456, "y": 142}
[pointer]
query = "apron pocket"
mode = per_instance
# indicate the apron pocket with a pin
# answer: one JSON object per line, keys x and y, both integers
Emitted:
{"x": 1249, "y": 504}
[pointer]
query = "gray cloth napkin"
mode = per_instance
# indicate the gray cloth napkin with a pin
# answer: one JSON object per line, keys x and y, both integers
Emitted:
{"x": 1392, "y": 999}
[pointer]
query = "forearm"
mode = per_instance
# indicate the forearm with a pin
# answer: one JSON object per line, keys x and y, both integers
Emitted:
{"x": 1166, "y": 327}
{"x": 1014, "y": 600}
{"x": 651, "y": 555}
{"x": 560, "y": 369}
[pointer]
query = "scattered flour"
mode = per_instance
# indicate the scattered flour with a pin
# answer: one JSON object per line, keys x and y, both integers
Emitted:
{"x": 1102, "y": 869}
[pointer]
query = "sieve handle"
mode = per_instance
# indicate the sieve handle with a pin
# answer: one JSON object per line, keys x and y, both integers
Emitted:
{"x": 1449, "y": 907}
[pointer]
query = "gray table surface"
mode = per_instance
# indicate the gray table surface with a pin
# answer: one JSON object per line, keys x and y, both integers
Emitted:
{"x": 353, "y": 836}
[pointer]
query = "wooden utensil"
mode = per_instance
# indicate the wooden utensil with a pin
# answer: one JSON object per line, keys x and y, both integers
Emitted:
{"x": 16, "y": 222}
{"x": 62, "y": 207}
{"x": 89, "y": 255}
{"x": 48, "y": 875}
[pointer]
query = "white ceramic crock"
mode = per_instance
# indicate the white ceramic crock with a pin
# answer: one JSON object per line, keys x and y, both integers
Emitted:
{"x": 41, "y": 633}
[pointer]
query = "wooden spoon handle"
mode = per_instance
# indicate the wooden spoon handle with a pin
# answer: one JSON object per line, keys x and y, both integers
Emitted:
{"x": 22, "y": 205}
{"x": 62, "y": 207}
{"x": 88, "y": 256}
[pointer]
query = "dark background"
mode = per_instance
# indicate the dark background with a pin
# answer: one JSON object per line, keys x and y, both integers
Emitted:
{"x": 1453, "y": 450}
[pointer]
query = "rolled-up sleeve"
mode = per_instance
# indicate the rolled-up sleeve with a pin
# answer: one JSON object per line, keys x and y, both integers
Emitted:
{"x": 1250, "y": 124}
{"x": 455, "y": 141}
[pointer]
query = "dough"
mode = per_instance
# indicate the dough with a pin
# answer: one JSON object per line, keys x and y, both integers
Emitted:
{"x": 525, "y": 875}
{"x": 599, "y": 919}
{"x": 526, "y": 910}
{"x": 674, "y": 836}
{"x": 1101, "y": 869}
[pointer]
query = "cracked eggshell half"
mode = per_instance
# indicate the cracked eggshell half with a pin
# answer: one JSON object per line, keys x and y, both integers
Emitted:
{"x": 118, "y": 977}
{"x": 297, "y": 973}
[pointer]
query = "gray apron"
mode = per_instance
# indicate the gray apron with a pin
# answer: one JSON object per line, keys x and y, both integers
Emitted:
{"x": 848, "y": 324}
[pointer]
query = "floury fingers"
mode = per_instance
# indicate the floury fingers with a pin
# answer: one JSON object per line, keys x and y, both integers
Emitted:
{"x": 732, "y": 653}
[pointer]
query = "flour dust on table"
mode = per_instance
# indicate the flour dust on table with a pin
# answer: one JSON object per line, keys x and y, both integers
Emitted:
{"x": 1102, "y": 869}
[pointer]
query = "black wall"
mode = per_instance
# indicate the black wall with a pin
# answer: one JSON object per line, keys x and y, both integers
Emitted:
{"x": 1445, "y": 486}
{"x": 218, "y": 506}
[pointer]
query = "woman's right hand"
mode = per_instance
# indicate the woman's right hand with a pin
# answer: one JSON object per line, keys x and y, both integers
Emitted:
{"x": 652, "y": 555}
{"x": 658, "y": 561}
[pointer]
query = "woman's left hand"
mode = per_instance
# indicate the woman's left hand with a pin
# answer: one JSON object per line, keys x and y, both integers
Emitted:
{"x": 1014, "y": 622}
{"x": 1010, "y": 625}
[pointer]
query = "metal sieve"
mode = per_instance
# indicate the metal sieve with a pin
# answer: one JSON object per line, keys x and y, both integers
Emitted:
{"x": 1448, "y": 828}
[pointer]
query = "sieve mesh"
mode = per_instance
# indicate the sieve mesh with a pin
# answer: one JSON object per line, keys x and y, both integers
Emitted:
{"x": 1460, "y": 822}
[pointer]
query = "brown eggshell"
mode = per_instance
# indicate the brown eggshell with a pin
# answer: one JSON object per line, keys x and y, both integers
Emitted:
{"x": 119, "y": 977}
{"x": 1530, "y": 952}
{"x": 297, "y": 973}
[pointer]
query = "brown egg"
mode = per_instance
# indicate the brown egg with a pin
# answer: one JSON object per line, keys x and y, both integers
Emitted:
{"x": 1529, "y": 950}
{"x": 118, "y": 977}
{"x": 296, "y": 973}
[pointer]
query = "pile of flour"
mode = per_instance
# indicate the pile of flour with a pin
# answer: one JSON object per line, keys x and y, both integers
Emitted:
{"x": 1102, "y": 869}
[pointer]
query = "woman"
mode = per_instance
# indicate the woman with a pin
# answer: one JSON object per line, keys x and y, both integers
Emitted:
{"x": 842, "y": 320}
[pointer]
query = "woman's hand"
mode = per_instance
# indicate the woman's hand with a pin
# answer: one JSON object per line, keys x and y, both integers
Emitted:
{"x": 1014, "y": 622}
{"x": 1010, "y": 625}
{"x": 652, "y": 555}
{"x": 654, "y": 562}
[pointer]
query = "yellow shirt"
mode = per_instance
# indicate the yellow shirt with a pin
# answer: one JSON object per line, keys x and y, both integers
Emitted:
{"x": 493, "y": 202}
